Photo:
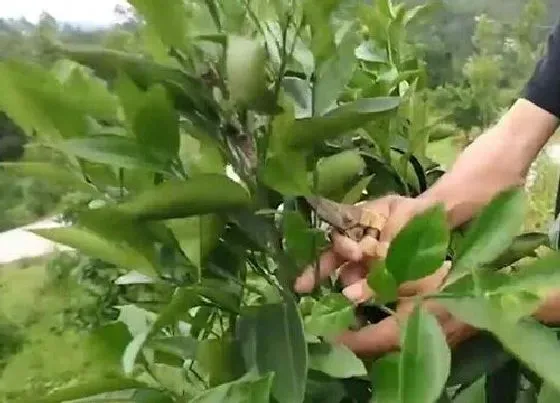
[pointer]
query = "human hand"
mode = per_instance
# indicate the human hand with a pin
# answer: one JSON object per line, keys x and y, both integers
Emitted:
{"x": 353, "y": 261}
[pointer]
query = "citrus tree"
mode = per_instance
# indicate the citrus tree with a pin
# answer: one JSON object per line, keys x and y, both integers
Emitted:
{"x": 194, "y": 157}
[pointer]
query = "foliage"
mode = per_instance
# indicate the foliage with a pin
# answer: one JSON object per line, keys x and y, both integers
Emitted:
{"x": 192, "y": 158}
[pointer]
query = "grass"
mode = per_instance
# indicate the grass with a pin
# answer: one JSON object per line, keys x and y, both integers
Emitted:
{"x": 53, "y": 354}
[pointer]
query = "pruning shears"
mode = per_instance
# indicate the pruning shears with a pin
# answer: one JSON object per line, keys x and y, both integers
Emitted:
{"x": 354, "y": 221}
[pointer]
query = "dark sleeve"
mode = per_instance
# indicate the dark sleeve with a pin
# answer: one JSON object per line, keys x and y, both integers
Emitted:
{"x": 543, "y": 89}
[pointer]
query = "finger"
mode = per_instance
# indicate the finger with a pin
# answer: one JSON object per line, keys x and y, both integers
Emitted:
{"x": 368, "y": 245}
{"x": 346, "y": 248}
{"x": 426, "y": 285}
{"x": 352, "y": 273}
{"x": 359, "y": 292}
{"x": 329, "y": 261}
{"x": 373, "y": 340}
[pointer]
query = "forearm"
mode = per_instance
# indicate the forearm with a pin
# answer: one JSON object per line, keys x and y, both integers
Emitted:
{"x": 495, "y": 161}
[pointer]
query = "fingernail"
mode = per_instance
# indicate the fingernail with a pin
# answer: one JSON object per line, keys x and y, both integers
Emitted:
{"x": 382, "y": 249}
{"x": 357, "y": 292}
{"x": 303, "y": 283}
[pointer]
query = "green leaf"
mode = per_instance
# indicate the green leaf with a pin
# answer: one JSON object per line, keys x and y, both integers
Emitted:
{"x": 473, "y": 394}
{"x": 49, "y": 172}
{"x": 169, "y": 22}
{"x": 273, "y": 340}
{"x": 334, "y": 73}
{"x": 182, "y": 300}
{"x": 318, "y": 17}
{"x": 90, "y": 389}
{"x": 424, "y": 356}
{"x": 383, "y": 284}
{"x": 419, "y": 249}
{"x": 201, "y": 155}
{"x": 306, "y": 133}
{"x": 301, "y": 93}
{"x": 336, "y": 173}
{"x": 197, "y": 236}
{"x": 549, "y": 394}
{"x": 33, "y": 98}
{"x": 183, "y": 347}
{"x": 525, "y": 245}
{"x": 156, "y": 124}
{"x": 221, "y": 359}
{"x": 302, "y": 242}
{"x": 539, "y": 276}
{"x": 189, "y": 93}
{"x": 199, "y": 195}
{"x": 246, "y": 60}
{"x": 491, "y": 233}
{"x": 131, "y": 352}
{"x": 369, "y": 51}
{"x": 503, "y": 385}
{"x": 355, "y": 194}
{"x": 246, "y": 389}
{"x": 335, "y": 360}
{"x": 532, "y": 343}
{"x": 385, "y": 373}
{"x": 475, "y": 357}
{"x": 330, "y": 316}
{"x": 287, "y": 174}
{"x": 130, "y": 96}
{"x": 117, "y": 151}
{"x": 118, "y": 241}
{"x": 90, "y": 93}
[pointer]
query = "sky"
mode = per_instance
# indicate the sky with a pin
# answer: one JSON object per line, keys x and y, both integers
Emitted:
{"x": 83, "y": 12}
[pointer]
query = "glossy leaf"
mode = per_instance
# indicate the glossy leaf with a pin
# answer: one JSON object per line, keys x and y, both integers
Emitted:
{"x": 93, "y": 244}
{"x": 286, "y": 173}
{"x": 246, "y": 389}
{"x": 335, "y": 360}
{"x": 170, "y": 22}
{"x": 197, "y": 236}
{"x": 330, "y": 316}
{"x": 199, "y": 195}
{"x": 131, "y": 353}
{"x": 424, "y": 355}
{"x": 301, "y": 93}
{"x": 156, "y": 124}
{"x": 491, "y": 233}
{"x": 49, "y": 172}
{"x": 475, "y": 357}
{"x": 419, "y": 249}
{"x": 533, "y": 344}
{"x": 273, "y": 340}
{"x": 383, "y": 284}
{"x": 318, "y": 15}
{"x": 302, "y": 242}
{"x": 503, "y": 385}
{"x": 221, "y": 359}
{"x": 549, "y": 394}
{"x": 180, "y": 346}
{"x": 539, "y": 276}
{"x": 355, "y": 193}
{"x": 525, "y": 245}
{"x": 385, "y": 373}
{"x": 201, "y": 155}
{"x": 188, "y": 93}
{"x": 336, "y": 173}
{"x": 117, "y": 151}
{"x": 90, "y": 389}
{"x": 245, "y": 66}
{"x": 333, "y": 74}
{"x": 307, "y": 132}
